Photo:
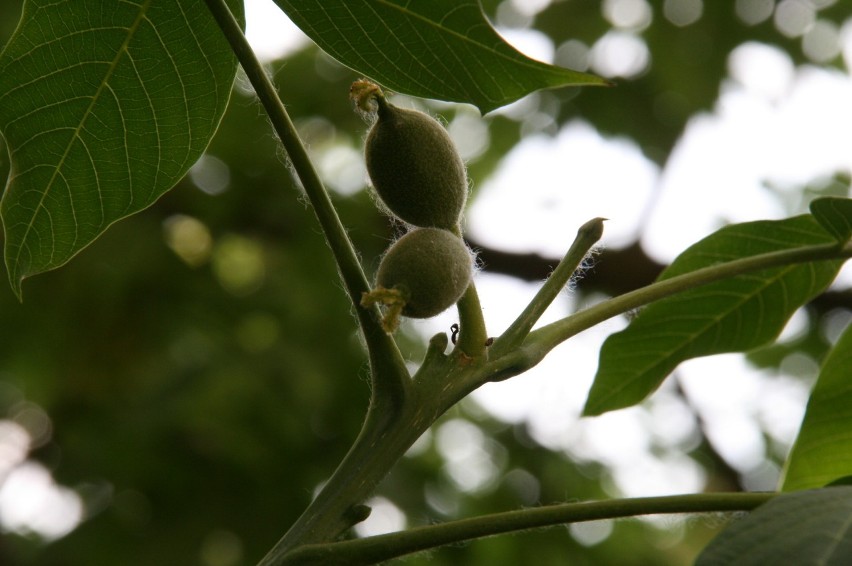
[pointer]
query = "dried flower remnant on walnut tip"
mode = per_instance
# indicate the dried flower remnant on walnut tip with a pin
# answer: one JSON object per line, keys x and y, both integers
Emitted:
{"x": 422, "y": 274}
{"x": 412, "y": 162}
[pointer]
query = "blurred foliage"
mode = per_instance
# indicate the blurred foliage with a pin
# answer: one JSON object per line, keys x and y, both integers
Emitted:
{"x": 195, "y": 411}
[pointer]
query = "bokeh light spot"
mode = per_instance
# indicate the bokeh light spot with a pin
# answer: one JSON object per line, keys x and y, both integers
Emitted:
{"x": 762, "y": 69}
{"x": 468, "y": 463}
{"x": 573, "y": 54}
{"x": 189, "y": 238}
{"x": 14, "y": 446}
{"x": 794, "y": 17}
{"x": 590, "y": 533}
{"x": 683, "y": 12}
{"x": 257, "y": 332}
{"x": 31, "y": 503}
{"x": 524, "y": 485}
{"x": 221, "y": 548}
{"x": 210, "y": 174}
{"x": 530, "y": 7}
{"x": 239, "y": 264}
{"x": 35, "y": 421}
{"x": 821, "y": 43}
{"x": 342, "y": 168}
{"x": 385, "y": 517}
{"x": 470, "y": 135}
{"x": 627, "y": 14}
{"x": 753, "y": 12}
{"x": 534, "y": 44}
{"x": 620, "y": 54}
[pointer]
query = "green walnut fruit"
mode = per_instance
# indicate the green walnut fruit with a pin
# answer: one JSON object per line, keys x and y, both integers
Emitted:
{"x": 414, "y": 166}
{"x": 422, "y": 274}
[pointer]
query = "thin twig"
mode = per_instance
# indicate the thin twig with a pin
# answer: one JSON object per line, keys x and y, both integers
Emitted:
{"x": 385, "y": 547}
{"x": 588, "y": 234}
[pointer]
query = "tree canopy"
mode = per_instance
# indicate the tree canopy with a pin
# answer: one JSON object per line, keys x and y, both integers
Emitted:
{"x": 194, "y": 373}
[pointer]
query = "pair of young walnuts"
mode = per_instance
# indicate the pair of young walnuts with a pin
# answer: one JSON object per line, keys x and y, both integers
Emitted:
{"x": 421, "y": 179}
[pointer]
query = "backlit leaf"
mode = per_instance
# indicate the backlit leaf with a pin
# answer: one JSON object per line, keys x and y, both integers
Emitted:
{"x": 823, "y": 451}
{"x": 443, "y": 49}
{"x": 806, "y": 528}
{"x": 835, "y": 215}
{"x": 104, "y": 106}
{"x": 733, "y": 315}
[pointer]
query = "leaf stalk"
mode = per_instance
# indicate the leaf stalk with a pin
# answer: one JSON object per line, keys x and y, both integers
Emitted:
{"x": 541, "y": 341}
{"x": 587, "y": 236}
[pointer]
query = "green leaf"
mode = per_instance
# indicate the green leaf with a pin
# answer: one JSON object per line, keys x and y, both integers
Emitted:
{"x": 803, "y": 528}
{"x": 835, "y": 215}
{"x": 732, "y": 315}
{"x": 823, "y": 451}
{"x": 443, "y": 49}
{"x": 845, "y": 480}
{"x": 104, "y": 106}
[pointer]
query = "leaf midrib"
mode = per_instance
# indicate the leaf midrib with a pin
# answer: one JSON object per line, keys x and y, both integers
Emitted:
{"x": 711, "y": 321}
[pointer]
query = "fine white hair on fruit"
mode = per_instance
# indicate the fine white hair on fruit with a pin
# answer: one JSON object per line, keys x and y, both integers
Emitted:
{"x": 432, "y": 267}
{"x": 414, "y": 167}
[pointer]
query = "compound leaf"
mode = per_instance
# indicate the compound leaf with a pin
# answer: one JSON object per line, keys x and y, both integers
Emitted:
{"x": 835, "y": 215}
{"x": 806, "y": 528}
{"x": 732, "y": 315}
{"x": 443, "y": 49}
{"x": 104, "y": 106}
{"x": 823, "y": 451}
